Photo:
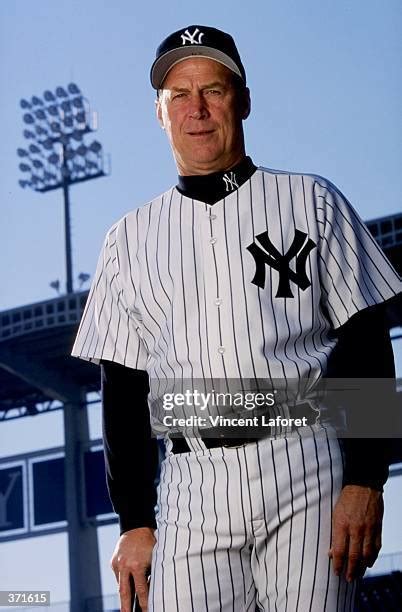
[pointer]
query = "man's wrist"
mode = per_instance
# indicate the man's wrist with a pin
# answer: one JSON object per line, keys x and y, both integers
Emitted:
{"x": 366, "y": 462}
{"x": 377, "y": 485}
{"x": 144, "y": 529}
{"x": 128, "y": 523}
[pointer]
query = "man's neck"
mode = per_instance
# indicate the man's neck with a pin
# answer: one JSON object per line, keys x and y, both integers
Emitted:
{"x": 211, "y": 188}
{"x": 205, "y": 168}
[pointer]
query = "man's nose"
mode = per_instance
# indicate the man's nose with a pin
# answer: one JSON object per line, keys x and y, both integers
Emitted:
{"x": 197, "y": 109}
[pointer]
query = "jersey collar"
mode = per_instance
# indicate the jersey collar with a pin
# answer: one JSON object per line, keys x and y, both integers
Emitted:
{"x": 211, "y": 188}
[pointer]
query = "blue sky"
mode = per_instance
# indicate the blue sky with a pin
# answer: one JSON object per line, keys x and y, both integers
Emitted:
{"x": 326, "y": 89}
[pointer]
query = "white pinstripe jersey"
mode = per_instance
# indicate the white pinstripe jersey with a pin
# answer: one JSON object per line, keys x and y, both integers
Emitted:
{"x": 176, "y": 291}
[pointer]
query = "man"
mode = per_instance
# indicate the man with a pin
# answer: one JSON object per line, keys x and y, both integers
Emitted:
{"x": 240, "y": 273}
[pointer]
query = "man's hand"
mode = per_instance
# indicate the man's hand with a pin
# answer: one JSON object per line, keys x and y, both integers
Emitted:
{"x": 356, "y": 530}
{"x": 132, "y": 557}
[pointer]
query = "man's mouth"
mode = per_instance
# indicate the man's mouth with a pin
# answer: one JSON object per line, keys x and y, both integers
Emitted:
{"x": 200, "y": 133}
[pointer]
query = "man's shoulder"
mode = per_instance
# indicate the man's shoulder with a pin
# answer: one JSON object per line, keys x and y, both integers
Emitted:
{"x": 308, "y": 177}
{"x": 318, "y": 189}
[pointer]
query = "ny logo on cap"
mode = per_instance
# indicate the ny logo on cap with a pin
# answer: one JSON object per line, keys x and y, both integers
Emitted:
{"x": 230, "y": 181}
{"x": 190, "y": 38}
{"x": 299, "y": 250}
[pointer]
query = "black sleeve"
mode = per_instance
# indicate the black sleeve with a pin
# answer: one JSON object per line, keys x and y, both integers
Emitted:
{"x": 131, "y": 454}
{"x": 364, "y": 350}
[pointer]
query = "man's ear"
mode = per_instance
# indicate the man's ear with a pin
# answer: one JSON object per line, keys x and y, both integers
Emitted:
{"x": 246, "y": 103}
{"x": 158, "y": 109}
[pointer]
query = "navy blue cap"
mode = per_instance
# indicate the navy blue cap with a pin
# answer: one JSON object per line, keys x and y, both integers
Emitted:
{"x": 195, "y": 40}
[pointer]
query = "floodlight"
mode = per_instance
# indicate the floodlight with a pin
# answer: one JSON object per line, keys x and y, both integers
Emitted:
{"x": 77, "y": 135}
{"x": 49, "y": 96}
{"x": 61, "y": 92}
{"x": 90, "y": 164}
{"x": 58, "y": 122}
{"x": 69, "y": 153}
{"x": 25, "y": 104}
{"x": 83, "y": 278}
{"x": 95, "y": 146}
{"x": 48, "y": 144}
{"x": 52, "y": 110}
{"x": 54, "y": 158}
{"x": 78, "y": 102}
{"x": 28, "y": 118}
{"x": 68, "y": 121}
{"x": 35, "y": 179}
{"x": 73, "y": 88}
{"x": 28, "y": 134}
{"x": 66, "y": 106}
{"x": 40, "y": 114}
{"x": 40, "y": 130}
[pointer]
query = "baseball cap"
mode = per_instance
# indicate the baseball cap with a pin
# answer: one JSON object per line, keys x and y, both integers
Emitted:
{"x": 195, "y": 40}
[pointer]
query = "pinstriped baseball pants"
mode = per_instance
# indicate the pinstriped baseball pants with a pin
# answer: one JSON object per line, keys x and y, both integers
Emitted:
{"x": 249, "y": 528}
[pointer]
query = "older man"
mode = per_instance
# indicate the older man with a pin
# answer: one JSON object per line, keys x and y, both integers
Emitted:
{"x": 236, "y": 273}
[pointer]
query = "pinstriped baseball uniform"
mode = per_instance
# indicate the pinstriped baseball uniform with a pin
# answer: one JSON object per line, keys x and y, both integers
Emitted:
{"x": 174, "y": 291}
{"x": 250, "y": 287}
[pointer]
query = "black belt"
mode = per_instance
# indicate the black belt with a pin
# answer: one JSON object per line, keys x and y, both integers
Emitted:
{"x": 180, "y": 444}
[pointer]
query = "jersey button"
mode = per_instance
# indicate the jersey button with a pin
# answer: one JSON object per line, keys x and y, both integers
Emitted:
{"x": 218, "y": 301}
{"x": 212, "y": 240}
{"x": 212, "y": 217}
{"x": 221, "y": 349}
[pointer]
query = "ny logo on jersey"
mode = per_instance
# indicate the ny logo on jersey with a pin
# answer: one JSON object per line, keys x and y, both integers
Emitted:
{"x": 230, "y": 181}
{"x": 270, "y": 256}
{"x": 190, "y": 38}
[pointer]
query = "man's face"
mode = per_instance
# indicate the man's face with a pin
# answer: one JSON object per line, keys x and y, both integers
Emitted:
{"x": 202, "y": 113}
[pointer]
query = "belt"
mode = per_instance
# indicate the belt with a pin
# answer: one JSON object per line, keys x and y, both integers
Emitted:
{"x": 180, "y": 444}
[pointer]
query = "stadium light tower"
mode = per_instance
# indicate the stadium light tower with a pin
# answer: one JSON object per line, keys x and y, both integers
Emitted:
{"x": 57, "y": 156}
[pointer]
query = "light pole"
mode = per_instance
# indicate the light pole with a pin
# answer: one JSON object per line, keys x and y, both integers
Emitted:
{"x": 57, "y": 156}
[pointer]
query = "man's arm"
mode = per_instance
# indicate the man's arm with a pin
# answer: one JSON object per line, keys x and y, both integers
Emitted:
{"x": 131, "y": 457}
{"x": 131, "y": 454}
{"x": 364, "y": 350}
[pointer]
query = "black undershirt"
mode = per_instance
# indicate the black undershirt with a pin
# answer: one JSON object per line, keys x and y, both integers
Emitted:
{"x": 131, "y": 454}
{"x": 211, "y": 188}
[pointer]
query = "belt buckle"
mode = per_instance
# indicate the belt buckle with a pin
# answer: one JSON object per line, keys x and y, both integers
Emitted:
{"x": 234, "y": 445}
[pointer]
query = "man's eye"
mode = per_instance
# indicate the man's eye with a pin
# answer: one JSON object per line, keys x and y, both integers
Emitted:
{"x": 215, "y": 92}
{"x": 178, "y": 95}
